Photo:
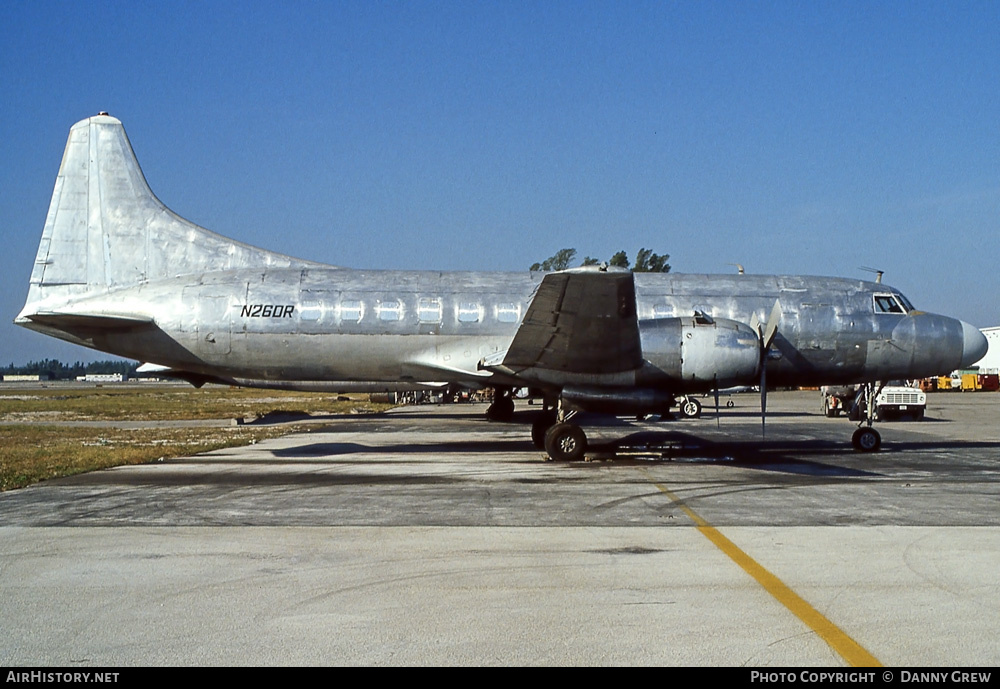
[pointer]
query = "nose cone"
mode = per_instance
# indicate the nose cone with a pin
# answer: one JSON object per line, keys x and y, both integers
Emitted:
{"x": 974, "y": 345}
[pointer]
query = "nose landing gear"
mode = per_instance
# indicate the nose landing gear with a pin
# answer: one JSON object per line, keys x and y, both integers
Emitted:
{"x": 866, "y": 438}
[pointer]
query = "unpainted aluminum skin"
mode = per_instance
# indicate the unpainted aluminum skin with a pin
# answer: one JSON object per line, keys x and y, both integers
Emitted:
{"x": 118, "y": 271}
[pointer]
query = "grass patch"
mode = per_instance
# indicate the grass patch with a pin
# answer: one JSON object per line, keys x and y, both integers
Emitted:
{"x": 32, "y": 453}
{"x": 146, "y": 402}
{"x": 33, "y": 448}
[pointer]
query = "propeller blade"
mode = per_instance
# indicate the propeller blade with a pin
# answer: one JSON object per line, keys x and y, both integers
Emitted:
{"x": 767, "y": 335}
{"x": 763, "y": 399}
{"x": 771, "y": 329}
{"x": 715, "y": 382}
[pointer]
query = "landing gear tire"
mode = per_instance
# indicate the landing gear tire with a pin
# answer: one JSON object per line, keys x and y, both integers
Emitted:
{"x": 691, "y": 408}
{"x": 866, "y": 440}
{"x": 502, "y": 409}
{"x": 543, "y": 422}
{"x": 565, "y": 442}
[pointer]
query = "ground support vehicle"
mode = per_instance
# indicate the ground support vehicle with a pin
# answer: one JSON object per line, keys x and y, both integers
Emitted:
{"x": 898, "y": 399}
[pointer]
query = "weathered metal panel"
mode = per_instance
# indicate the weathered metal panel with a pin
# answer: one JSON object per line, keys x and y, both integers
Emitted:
{"x": 118, "y": 271}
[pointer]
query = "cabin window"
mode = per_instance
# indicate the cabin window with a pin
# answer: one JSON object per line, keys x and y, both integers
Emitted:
{"x": 469, "y": 312}
{"x": 351, "y": 310}
{"x": 310, "y": 311}
{"x": 429, "y": 310}
{"x": 390, "y": 310}
{"x": 887, "y": 303}
{"x": 508, "y": 313}
{"x": 663, "y": 311}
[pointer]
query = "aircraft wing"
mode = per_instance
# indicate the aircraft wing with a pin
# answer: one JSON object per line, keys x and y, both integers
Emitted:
{"x": 579, "y": 321}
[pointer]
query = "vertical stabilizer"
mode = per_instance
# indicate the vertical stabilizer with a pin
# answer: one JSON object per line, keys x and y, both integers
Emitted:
{"x": 106, "y": 230}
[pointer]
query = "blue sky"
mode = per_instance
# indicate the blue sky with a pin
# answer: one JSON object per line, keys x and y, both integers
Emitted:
{"x": 790, "y": 137}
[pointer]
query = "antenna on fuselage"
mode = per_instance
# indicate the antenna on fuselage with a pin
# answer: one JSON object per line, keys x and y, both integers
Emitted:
{"x": 878, "y": 273}
{"x": 739, "y": 267}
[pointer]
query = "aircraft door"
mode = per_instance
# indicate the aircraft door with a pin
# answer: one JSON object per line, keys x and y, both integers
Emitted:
{"x": 209, "y": 320}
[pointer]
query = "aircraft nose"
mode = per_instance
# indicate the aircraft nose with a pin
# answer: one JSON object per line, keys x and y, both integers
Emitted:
{"x": 974, "y": 345}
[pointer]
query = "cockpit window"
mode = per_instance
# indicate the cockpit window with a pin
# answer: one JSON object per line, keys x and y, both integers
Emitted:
{"x": 891, "y": 303}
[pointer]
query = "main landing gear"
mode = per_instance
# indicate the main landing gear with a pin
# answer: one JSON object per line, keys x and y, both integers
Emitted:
{"x": 690, "y": 407}
{"x": 502, "y": 407}
{"x": 564, "y": 441}
{"x": 866, "y": 438}
{"x": 545, "y": 420}
{"x": 553, "y": 432}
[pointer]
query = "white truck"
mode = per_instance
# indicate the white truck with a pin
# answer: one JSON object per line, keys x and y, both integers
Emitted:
{"x": 898, "y": 398}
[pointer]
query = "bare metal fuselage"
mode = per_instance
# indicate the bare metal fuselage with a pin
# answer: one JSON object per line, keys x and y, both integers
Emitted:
{"x": 332, "y": 324}
{"x": 117, "y": 271}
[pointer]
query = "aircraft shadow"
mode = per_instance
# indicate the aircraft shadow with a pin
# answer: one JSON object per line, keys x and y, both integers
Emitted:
{"x": 637, "y": 448}
{"x": 805, "y": 457}
{"x": 443, "y": 447}
{"x": 272, "y": 418}
{"x": 709, "y": 412}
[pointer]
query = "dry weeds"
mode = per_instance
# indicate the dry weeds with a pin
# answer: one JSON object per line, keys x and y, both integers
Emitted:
{"x": 33, "y": 448}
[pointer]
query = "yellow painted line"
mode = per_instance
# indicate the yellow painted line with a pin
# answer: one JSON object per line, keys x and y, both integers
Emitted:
{"x": 849, "y": 649}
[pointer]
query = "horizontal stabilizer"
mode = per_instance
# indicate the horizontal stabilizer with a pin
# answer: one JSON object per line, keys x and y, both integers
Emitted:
{"x": 74, "y": 321}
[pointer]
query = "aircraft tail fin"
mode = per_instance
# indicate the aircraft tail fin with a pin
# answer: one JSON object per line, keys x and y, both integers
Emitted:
{"x": 105, "y": 228}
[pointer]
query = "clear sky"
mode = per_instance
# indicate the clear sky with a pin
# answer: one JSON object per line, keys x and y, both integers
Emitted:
{"x": 791, "y": 137}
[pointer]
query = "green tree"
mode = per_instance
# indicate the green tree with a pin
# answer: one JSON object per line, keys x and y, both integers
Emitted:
{"x": 648, "y": 262}
{"x": 619, "y": 260}
{"x": 560, "y": 261}
{"x": 60, "y": 371}
{"x": 645, "y": 261}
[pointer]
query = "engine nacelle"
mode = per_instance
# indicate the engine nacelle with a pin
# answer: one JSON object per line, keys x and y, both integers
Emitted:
{"x": 699, "y": 353}
{"x": 616, "y": 400}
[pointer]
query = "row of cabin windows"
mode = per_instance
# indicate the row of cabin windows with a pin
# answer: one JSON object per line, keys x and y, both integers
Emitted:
{"x": 428, "y": 310}
{"x": 431, "y": 310}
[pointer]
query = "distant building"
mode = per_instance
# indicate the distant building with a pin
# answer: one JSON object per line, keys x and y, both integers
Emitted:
{"x": 103, "y": 378}
{"x": 25, "y": 377}
{"x": 991, "y": 362}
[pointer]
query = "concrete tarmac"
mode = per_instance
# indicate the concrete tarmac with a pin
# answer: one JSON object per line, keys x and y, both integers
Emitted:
{"x": 428, "y": 536}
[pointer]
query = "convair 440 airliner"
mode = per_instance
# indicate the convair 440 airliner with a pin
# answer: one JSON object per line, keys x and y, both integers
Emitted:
{"x": 118, "y": 271}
